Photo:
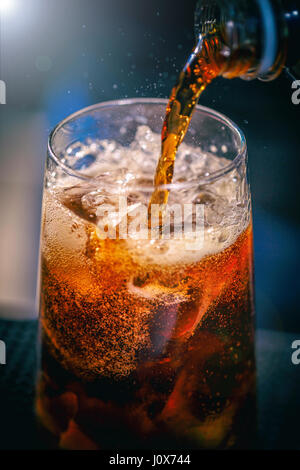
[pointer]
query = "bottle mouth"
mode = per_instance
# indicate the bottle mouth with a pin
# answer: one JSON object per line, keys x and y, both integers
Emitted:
{"x": 238, "y": 26}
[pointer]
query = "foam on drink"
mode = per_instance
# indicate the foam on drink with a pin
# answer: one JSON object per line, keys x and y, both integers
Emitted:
{"x": 127, "y": 171}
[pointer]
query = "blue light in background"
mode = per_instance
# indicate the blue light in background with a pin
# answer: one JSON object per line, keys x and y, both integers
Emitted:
{"x": 64, "y": 98}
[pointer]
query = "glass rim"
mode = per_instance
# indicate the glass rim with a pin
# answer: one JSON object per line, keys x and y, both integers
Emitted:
{"x": 202, "y": 180}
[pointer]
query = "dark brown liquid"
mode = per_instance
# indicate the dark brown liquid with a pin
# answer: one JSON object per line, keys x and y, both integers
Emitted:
{"x": 136, "y": 354}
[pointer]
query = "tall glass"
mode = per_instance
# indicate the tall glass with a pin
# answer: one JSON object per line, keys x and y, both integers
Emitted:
{"x": 147, "y": 336}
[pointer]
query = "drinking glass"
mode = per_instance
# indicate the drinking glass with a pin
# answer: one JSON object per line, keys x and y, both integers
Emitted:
{"x": 147, "y": 335}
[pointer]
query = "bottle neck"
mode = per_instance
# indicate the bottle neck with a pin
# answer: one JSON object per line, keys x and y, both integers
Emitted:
{"x": 264, "y": 31}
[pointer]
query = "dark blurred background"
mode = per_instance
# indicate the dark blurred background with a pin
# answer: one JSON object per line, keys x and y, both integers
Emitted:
{"x": 58, "y": 56}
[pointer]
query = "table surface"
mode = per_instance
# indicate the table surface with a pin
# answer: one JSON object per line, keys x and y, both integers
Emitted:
{"x": 278, "y": 388}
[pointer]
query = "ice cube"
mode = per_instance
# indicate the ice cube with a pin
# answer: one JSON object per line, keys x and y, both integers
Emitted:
{"x": 147, "y": 141}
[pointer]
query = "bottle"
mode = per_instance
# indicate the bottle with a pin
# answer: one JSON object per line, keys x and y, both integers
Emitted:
{"x": 264, "y": 34}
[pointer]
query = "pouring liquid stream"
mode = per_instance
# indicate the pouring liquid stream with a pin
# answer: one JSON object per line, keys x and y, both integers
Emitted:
{"x": 207, "y": 61}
